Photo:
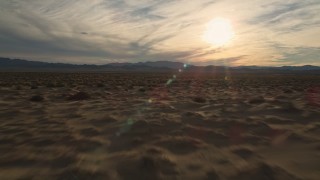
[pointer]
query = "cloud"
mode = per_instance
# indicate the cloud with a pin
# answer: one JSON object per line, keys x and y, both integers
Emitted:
{"x": 300, "y": 55}
{"x": 102, "y": 31}
{"x": 290, "y": 16}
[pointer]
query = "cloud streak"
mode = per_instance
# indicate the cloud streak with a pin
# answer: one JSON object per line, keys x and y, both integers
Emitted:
{"x": 103, "y": 31}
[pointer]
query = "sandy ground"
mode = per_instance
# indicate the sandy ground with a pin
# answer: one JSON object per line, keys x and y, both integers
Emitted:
{"x": 159, "y": 126}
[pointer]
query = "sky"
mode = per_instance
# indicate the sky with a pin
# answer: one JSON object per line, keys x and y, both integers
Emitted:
{"x": 266, "y": 33}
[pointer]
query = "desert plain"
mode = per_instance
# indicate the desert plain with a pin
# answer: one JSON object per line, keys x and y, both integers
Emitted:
{"x": 149, "y": 126}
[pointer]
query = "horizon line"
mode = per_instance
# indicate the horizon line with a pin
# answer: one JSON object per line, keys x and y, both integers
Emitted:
{"x": 67, "y": 63}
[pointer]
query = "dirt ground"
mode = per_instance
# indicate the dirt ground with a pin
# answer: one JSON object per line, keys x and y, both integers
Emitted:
{"x": 137, "y": 126}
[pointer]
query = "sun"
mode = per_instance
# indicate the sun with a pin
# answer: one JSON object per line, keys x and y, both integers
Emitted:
{"x": 219, "y": 32}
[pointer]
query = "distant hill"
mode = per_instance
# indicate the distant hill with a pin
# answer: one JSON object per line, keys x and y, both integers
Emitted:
{"x": 7, "y": 64}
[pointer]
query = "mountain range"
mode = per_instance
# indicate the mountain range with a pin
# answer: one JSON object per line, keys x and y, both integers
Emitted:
{"x": 7, "y": 64}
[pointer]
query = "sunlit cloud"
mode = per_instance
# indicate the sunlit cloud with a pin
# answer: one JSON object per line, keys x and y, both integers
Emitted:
{"x": 103, "y": 31}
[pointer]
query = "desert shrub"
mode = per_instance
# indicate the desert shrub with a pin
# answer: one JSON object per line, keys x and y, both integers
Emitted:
{"x": 36, "y": 98}
{"x": 199, "y": 99}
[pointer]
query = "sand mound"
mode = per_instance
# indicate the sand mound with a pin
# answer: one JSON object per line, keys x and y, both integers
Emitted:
{"x": 264, "y": 172}
{"x": 181, "y": 145}
{"x": 243, "y": 153}
{"x": 79, "y": 96}
{"x": 147, "y": 167}
{"x": 256, "y": 100}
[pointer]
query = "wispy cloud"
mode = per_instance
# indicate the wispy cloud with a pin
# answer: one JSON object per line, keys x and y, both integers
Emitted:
{"x": 299, "y": 55}
{"x": 102, "y": 31}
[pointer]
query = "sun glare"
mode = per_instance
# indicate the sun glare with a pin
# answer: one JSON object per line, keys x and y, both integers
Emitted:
{"x": 219, "y": 32}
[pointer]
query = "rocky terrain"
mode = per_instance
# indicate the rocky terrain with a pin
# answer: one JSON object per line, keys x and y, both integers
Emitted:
{"x": 159, "y": 126}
